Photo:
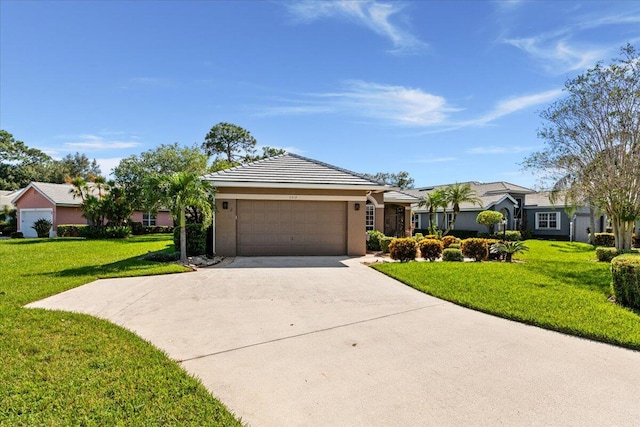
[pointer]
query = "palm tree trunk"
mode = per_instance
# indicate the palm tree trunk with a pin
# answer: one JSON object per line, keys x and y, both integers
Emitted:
{"x": 183, "y": 237}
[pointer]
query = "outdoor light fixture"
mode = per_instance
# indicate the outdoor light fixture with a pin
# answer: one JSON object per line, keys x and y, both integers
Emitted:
{"x": 225, "y": 205}
{"x": 357, "y": 206}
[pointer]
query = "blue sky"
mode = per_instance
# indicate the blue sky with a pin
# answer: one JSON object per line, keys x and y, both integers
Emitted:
{"x": 448, "y": 91}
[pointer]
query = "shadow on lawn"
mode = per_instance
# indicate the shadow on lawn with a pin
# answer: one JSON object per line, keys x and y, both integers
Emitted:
{"x": 574, "y": 248}
{"x": 589, "y": 276}
{"x": 65, "y": 240}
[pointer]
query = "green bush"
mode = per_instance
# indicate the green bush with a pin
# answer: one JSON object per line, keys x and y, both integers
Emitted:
{"x": 454, "y": 246}
{"x": 403, "y": 249}
{"x": 604, "y": 239}
{"x": 70, "y": 230}
{"x": 432, "y": 236}
{"x": 449, "y": 240}
{"x": 418, "y": 236}
{"x": 42, "y": 227}
{"x": 136, "y": 228}
{"x": 490, "y": 219}
{"x": 16, "y": 235}
{"x": 196, "y": 239}
{"x": 162, "y": 256}
{"x": 452, "y": 254}
{"x": 114, "y": 232}
{"x": 8, "y": 229}
{"x": 606, "y": 254}
{"x": 625, "y": 270}
{"x": 430, "y": 249}
{"x": 373, "y": 240}
{"x": 475, "y": 248}
{"x": 384, "y": 243}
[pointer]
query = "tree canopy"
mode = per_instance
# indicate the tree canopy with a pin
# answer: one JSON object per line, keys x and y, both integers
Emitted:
{"x": 236, "y": 145}
{"x": 592, "y": 142}
{"x": 19, "y": 164}
{"x": 402, "y": 180}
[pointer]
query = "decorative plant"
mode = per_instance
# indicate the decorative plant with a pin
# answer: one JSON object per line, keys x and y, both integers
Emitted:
{"x": 42, "y": 227}
{"x": 508, "y": 249}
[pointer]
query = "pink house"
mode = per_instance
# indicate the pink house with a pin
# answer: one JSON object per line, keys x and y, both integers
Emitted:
{"x": 56, "y": 203}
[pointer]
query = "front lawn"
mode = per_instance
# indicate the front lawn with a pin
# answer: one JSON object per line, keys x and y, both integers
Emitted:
{"x": 559, "y": 286}
{"x": 62, "y": 369}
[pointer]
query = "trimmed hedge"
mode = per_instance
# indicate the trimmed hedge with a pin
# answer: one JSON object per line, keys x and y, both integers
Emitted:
{"x": 71, "y": 230}
{"x": 606, "y": 254}
{"x": 452, "y": 255}
{"x": 430, "y": 249}
{"x": 475, "y": 248}
{"x": 384, "y": 243}
{"x": 138, "y": 229}
{"x": 114, "y": 232}
{"x": 373, "y": 240}
{"x": 196, "y": 239}
{"x": 625, "y": 270}
{"x": 403, "y": 249}
{"x": 604, "y": 239}
{"x": 16, "y": 235}
{"x": 449, "y": 240}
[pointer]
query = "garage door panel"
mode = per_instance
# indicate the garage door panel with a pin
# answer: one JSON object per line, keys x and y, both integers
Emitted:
{"x": 272, "y": 227}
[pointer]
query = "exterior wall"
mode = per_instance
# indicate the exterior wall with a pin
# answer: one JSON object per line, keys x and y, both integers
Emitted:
{"x": 356, "y": 233}
{"x": 31, "y": 199}
{"x": 467, "y": 221}
{"x": 163, "y": 218}
{"x": 379, "y": 220}
{"x": 67, "y": 215}
{"x": 562, "y": 233}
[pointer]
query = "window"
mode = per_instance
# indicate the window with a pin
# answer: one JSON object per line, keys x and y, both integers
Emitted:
{"x": 547, "y": 220}
{"x": 148, "y": 219}
{"x": 449, "y": 219}
{"x": 415, "y": 221}
{"x": 370, "y": 217}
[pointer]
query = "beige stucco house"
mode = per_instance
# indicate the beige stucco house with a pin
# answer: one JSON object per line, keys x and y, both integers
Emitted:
{"x": 293, "y": 205}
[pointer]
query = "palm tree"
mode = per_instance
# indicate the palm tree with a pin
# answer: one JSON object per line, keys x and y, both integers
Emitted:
{"x": 178, "y": 192}
{"x": 455, "y": 195}
{"x": 508, "y": 249}
{"x": 433, "y": 201}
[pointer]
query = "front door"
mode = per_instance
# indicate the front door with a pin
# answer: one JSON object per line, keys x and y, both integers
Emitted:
{"x": 394, "y": 220}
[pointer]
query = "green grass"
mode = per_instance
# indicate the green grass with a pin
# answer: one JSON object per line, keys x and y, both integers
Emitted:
{"x": 60, "y": 369}
{"x": 559, "y": 286}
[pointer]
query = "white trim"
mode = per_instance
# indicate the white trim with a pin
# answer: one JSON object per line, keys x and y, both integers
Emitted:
{"x": 253, "y": 184}
{"x": 327, "y": 198}
{"x": 558, "y": 218}
{"x": 419, "y": 222}
{"x": 366, "y": 214}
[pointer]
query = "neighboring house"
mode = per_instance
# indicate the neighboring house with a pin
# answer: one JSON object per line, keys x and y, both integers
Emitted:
{"x": 56, "y": 203}
{"x": 501, "y": 196}
{"x": 523, "y": 209}
{"x": 6, "y": 196}
{"x": 293, "y": 205}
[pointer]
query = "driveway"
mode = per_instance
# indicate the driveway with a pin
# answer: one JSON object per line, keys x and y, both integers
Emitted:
{"x": 328, "y": 341}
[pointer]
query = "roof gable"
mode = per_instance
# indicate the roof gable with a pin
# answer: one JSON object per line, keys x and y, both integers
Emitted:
{"x": 292, "y": 171}
{"x": 57, "y": 194}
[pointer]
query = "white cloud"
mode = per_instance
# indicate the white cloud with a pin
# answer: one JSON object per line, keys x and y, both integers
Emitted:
{"x": 558, "y": 56}
{"x": 97, "y": 142}
{"x": 512, "y": 105}
{"x": 374, "y": 15}
{"x": 107, "y": 165}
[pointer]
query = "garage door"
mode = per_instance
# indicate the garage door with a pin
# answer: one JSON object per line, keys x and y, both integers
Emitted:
{"x": 268, "y": 227}
{"x": 29, "y": 217}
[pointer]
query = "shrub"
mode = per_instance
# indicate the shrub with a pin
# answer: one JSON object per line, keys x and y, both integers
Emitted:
{"x": 196, "y": 239}
{"x": 507, "y": 249}
{"x": 448, "y": 240}
{"x": 511, "y": 236}
{"x": 162, "y": 256}
{"x": 494, "y": 256}
{"x": 475, "y": 248}
{"x": 604, "y": 239}
{"x": 606, "y": 254}
{"x": 433, "y": 236}
{"x": 384, "y": 243}
{"x": 42, "y": 227}
{"x": 70, "y": 230}
{"x": 373, "y": 240}
{"x": 418, "y": 236}
{"x": 403, "y": 249}
{"x": 16, "y": 235}
{"x": 136, "y": 228}
{"x": 454, "y": 246}
{"x": 452, "y": 254}
{"x": 625, "y": 270}
{"x": 490, "y": 219}
{"x": 114, "y": 232}
{"x": 8, "y": 229}
{"x": 430, "y": 249}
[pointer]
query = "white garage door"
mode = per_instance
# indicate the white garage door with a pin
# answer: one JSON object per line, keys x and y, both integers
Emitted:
{"x": 269, "y": 227}
{"x": 29, "y": 217}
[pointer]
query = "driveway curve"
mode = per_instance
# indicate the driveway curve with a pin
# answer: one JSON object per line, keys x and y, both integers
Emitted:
{"x": 328, "y": 341}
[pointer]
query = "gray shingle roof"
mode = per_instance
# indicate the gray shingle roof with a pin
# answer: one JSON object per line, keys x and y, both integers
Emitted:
{"x": 399, "y": 197}
{"x": 59, "y": 194}
{"x": 292, "y": 171}
{"x": 542, "y": 199}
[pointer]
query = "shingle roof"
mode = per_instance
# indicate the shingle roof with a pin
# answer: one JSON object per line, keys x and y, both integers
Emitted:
{"x": 292, "y": 171}
{"x": 542, "y": 199}
{"x": 59, "y": 194}
{"x": 489, "y": 193}
{"x": 6, "y": 197}
{"x": 400, "y": 197}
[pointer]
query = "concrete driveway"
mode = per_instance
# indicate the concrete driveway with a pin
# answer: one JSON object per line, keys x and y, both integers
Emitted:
{"x": 327, "y": 341}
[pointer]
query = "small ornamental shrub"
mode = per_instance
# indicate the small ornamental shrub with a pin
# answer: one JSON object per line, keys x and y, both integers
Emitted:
{"x": 454, "y": 246}
{"x": 452, "y": 254}
{"x": 373, "y": 240}
{"x": 491, "y": 255}
{"x": 490, "y": 219}
{"x": 42, "y": 227}
{"x": 430, "y": 249}
{"x": 418, "y": 236}
{"x": 507, "y": 249}
{"x": 16, "y": 235}
{"x": 403, "y": 249}
{"x": 384, "y": 243}
{"x": 70, "y": 230}
{"x": 8, "y": 229}
{"x": 606, "y": 254}
{"x": 196, "y": 239}
{"x": 475, "y": 248}
{"x": 136, "y": 228}
{"x": 604, "y": 239}
{"x": 511, "y": 236}
{"x": 432, "y": 236}
{"x": 625, "y": 270}
{"x": 448, "y": 240}
{"x": 162, "y": 256}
